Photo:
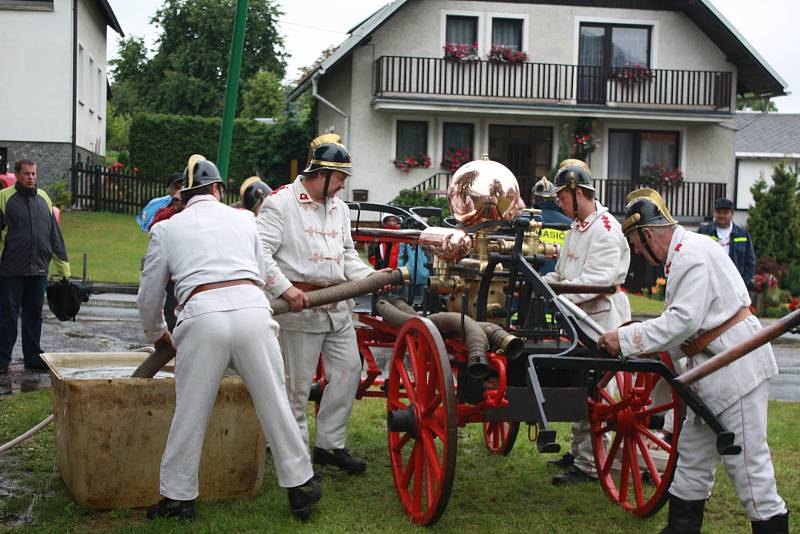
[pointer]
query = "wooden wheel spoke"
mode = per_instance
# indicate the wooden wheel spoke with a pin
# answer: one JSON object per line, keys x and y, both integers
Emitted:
{"x": 648, "y": 460}
{"x": 612, "y": 453}
{"x": 656, "y": 409}
{"x": 409, "y": 470}
{"x": 397, "y": 447}
{"x": 432, "y": 456}
{"x": 624, "y": 473}
{"x": 435, "y": 402}
{"x": 405, "y": 380}
{"x": 607, "y": 396}
{"x": 652, "y": 437}
{"x": 637, "y": 475}
{"x": 396, "y": 404}
{"x": 433, "y": 425}
{"x": 419, "y": 467}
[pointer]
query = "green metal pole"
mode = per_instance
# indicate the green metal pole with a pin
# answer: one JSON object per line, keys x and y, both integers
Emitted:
{"x": 232, "y": 88}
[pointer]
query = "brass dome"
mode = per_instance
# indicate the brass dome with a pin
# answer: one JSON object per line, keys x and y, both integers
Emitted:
{"x": 484, "y": 190}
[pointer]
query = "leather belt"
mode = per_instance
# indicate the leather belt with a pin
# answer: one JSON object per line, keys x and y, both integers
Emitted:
{"x": 219, "y": 285}
{"x": 604, "y": 295}
{"x": 306, "y": 287}
{"x": 699, "y": 344}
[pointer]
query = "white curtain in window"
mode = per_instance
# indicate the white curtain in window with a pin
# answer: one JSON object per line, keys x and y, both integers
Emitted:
{"x": 620, "y": 155}
{"x": 462, "y": 30}
{"x": 508, "y": 33}
{"x": 591, "y": 46}
{"x": 658, "y": 148}
{"x": 629, "y": 46}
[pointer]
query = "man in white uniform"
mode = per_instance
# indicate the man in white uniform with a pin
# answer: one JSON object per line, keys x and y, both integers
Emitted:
{"x": 305, "y": 231}
{"x": 706, "y": 312}
{"x": 595, "y": 252}
{"x": 213, "y": 253}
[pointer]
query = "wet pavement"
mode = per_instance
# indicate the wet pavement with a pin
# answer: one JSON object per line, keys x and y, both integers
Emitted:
{"x": 109, "y": 322}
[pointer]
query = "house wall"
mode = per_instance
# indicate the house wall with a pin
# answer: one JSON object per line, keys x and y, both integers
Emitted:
{"x": 750, "y": 170}
{"x": 91, "y": 110}
{"x": 417, "y": 29}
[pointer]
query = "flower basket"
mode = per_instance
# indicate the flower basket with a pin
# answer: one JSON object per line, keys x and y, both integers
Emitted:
{"x": 461, "y": 52}
{"x": 453, "y": 159}
{"x": 420, "y": 161}
{"x": 504, "y": 54}
{"x": 632, "y": 74}
{"x": 584, "y": 144}
{"x": 659, "y": 176}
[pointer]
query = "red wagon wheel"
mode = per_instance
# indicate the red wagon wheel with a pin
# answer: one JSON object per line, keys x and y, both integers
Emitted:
{"x": 499, "y": 436}
{"x": 635, "y": 465}
{"x": 421, "y": 410}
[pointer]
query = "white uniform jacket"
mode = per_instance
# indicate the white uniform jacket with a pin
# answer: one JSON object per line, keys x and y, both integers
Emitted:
{"x": 704, "y": 289}
{"x": 302, "y": 243}
{"x": 595, "y": 252}
{"x": 194, "y": 260}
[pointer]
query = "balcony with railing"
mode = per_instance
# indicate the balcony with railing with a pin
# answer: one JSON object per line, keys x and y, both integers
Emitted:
{"x": 555, "y": 84}
{"x": 688, "y": 201}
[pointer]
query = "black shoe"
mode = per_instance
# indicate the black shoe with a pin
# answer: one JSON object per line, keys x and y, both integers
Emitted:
{"x": 778, "y": 524}
{"x": 684, "y": 517}
{"x": 302, "y": 498}
{"x": 183, "y": 510}
{"x": 565, "y": 462}
{"x": 339, "y": 458}
{"x": 573, "y": 476}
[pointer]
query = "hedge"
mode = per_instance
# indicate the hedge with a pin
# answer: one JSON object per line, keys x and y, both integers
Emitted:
{"x": 161, "y": 145}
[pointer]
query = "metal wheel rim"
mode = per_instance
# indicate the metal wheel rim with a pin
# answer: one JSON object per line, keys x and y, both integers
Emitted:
{"x": 499, "y": 436}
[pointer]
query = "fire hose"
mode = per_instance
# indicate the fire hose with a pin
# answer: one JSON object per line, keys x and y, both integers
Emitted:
{"x": 328, "y": 295}
{"x": 478, "y": 336}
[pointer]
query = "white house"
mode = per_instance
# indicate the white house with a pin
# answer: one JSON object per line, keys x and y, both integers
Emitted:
{"x": 657, "y": 84}
{"x": 53, "y": 98}
{"x": 763, "y": 140}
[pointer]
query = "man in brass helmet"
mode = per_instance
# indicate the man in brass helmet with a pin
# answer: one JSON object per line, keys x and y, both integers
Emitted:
{"x": 595, "y": 252}
{"x": 213, "y": 254}
{"x": 305, "y": 232}
{"x": 706, "y": 312}
{"x": 252, "y": 193}
{"x": 544, "y": 195}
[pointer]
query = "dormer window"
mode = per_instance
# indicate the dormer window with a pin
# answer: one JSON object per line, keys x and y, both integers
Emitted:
{"x": 461, "y": 30}
{"x": 507, "y": 33}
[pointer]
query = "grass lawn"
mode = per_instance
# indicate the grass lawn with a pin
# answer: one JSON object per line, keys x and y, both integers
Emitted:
{"x": 114, "y": 243}
{"x": 490, "y": 493}
{"x": 645, "y": 306}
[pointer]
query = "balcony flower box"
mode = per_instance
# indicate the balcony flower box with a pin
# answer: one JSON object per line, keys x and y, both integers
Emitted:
{"x": 453, "y": 159}
{"x": 407, "y": 163}
{"x": 632, "y": 74}
{"x": 659, "y": 176}
{"x": 505, "y": 54}
{"x": 461, "y": 52}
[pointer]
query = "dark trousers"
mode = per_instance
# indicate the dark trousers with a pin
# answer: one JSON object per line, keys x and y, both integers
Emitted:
{"x": 24, "y": 293}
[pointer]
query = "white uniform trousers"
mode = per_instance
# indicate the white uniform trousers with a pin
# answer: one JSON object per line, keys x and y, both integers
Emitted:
{"x": 207, "y": 345}
{"x": 750, "y": 471}
{"x": 301, "y": 351}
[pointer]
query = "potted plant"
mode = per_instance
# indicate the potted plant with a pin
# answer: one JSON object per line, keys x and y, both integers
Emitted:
{"x": 658, "y": 175}
{"x": 420, "y": 161}
{"x": 453, "y": 159}
{"x": 635, "y": 73}
{"x": 505, "y": 54}
{"x": 461, "y": 52}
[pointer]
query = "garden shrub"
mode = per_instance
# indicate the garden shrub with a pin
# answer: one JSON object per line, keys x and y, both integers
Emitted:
{"x": 790, "y": 280}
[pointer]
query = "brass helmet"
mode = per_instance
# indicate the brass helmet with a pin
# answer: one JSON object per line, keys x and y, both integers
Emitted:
{"x": 253, "y": 191}
{"x": 544, "y": 188}
{"x": 200, "y": 172}
{"x": 484, "y": 190}
{"x": 645, "y": 208}
{"x": 573, "y": 173}
{"x": 328, "y": 153}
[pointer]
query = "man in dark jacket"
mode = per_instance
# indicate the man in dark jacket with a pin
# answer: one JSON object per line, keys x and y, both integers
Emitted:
{"x": 733, "y": 238}
{"x": 29, "y": 240}
{"x": 555, "y": 223}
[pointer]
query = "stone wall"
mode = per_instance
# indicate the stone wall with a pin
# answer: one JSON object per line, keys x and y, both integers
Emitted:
{"x": 52, "y": 159}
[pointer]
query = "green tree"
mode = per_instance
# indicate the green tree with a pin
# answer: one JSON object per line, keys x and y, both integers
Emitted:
{"x": 264, "y": 96}
{"x": 751, "y": 102}
{"x": 774, "y": 219}
{"x": 187, "y": 73}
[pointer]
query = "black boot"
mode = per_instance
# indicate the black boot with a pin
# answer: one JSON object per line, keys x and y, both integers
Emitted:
{"x": 778, "y": 524}
{"x": 183, "y": 510}
{"x": 565, "y": 462}
{"x": 685, "y": 517}
{"x": 302, "y": 498}
{"x": 339, "y": 458}
{"x": 572, "y": 476}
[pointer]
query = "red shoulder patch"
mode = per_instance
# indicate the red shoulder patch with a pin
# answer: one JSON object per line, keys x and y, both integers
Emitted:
{"x": 606, "y": 223}
{"x": 284, "y": 186}
{"x": 666, "y": 269}
{"x": 678, "y": 247}
{"x": 302, "y": 196}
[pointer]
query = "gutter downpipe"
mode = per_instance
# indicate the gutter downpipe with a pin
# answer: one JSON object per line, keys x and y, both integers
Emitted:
{"x": 73, "y": 149}
{"x": 331, "y": 105}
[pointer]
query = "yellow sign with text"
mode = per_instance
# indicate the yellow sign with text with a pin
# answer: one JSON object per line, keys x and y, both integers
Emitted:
{"x": 550, "y": 235}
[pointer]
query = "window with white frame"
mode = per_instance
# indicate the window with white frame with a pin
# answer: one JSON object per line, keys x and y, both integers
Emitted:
{"x": 457, "y": 136}
{"x": 614, "y": 45}
{"x": 507, "y": 33}
{"x": 99, "y": 90}
{"x": 90, "y": 93}
{"x": 461, "y": 30}
{"x": 632, "y": 153}
{"x": 412, "y": 139}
